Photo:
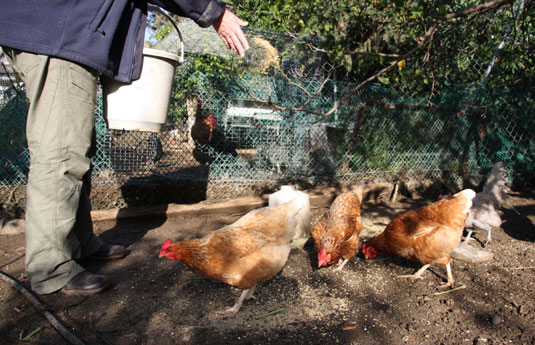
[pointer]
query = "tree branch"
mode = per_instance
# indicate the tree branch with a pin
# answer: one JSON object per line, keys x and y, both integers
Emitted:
{"x": 479, "y": 8}
{"x": 426, "y": 37}
{"x": 421, "y": 41}
{"x": 71, "y": 338}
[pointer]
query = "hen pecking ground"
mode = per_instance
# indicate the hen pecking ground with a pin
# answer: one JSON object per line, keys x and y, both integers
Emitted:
{"x": 156, "y": 301}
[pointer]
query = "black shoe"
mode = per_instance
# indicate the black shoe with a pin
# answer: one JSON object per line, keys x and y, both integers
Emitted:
{"x": 85, "y": 283}
{"x": 109, "y": 252}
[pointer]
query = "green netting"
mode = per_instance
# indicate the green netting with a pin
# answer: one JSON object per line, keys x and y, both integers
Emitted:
{"x": 378, "y": 136}
{"x": 263, "y": 138}
{"x": 14, "y": 158}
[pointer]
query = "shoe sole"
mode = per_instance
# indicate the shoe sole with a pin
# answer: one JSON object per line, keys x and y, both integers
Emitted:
{"x": 83, "y": 292}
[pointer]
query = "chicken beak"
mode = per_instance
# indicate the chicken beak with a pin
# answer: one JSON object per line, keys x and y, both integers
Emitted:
{"x": 322, "y": 262}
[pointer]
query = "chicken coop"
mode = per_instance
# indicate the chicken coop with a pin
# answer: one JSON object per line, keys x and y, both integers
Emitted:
{"x": 283, "y": 115}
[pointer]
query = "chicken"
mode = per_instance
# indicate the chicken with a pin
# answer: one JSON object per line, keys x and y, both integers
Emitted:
{"x": 336, "y": 233}
{"x": 203, "y": 128}
{"x": 484, "y": 212}
{"x": 244, "y": 253}
{"x": 209, "y": 138}
{"x": 426, "y": 235}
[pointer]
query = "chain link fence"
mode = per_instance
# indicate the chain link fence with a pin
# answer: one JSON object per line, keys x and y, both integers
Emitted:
{"x": 249, "y": 125}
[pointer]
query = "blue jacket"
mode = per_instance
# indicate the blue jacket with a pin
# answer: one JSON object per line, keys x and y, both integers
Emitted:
{"x": 106, "y": 35}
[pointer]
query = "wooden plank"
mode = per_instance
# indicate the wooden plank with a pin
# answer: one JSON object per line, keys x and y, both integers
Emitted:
{"x": 234, "y": 206}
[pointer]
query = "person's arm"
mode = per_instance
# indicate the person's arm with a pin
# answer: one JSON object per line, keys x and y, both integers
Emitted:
{"x": 228, "y": 27}
{"x": 211, "y": 12}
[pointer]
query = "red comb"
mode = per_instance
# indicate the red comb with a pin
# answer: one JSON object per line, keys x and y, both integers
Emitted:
{"x": 369, "y": 251}
{"x": 166, "y": 244}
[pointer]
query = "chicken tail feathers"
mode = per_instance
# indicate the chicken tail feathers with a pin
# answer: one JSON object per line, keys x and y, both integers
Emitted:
{"x": 466, "y": 195}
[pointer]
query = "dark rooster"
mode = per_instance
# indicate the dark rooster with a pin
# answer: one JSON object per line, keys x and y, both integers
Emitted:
{"x": 210, "y": 140}
{"x": 154, "y": 148}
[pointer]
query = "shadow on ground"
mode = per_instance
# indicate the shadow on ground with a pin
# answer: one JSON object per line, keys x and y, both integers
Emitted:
{"x": 156, "y": 301}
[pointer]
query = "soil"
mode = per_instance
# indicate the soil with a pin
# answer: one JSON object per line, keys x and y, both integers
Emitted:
{"x": 158, "y": 301}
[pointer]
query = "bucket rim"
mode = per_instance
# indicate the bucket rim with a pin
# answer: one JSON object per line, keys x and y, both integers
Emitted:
{"x": 161, "y": 54}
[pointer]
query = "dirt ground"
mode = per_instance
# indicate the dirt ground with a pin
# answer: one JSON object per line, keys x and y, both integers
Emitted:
{"x": 157, "y": 301}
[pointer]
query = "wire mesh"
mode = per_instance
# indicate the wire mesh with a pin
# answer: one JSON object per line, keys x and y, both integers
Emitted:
{"x": 246, "y": 126}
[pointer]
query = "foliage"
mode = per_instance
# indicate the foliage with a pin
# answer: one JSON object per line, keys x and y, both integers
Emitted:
{"x": 158, "y": 26}
{"x": 362, "y": 37}
{"x": 205, "y": 77}
{"x": 201, "y": 74}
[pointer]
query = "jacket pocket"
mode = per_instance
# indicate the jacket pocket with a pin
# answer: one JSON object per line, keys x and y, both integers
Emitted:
{"x": 102, "y": 12}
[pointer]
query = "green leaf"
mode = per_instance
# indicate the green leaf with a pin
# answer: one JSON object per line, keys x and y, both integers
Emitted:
{"x": 384, "y": 80}
{"x": 348, "y": 62}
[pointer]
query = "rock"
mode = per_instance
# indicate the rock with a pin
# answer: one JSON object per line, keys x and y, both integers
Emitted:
{"x": 496, "y": 319}
{"x": 480, "y": 340}
{"x": 12, "y": 227}
{"x": 465, "y": 252}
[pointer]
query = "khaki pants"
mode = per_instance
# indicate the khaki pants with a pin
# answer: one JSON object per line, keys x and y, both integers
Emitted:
{"x": 60, "y": 130}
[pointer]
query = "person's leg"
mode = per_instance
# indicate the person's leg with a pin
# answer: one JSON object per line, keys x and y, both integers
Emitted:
{"x": 59, "y": 131}
{"x": 83, "y": 226}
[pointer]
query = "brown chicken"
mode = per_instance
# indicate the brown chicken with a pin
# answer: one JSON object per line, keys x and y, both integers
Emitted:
{"x": 242, "y": 254}
{"x": 336, "y": 233}
{"x": 427, "y": 235}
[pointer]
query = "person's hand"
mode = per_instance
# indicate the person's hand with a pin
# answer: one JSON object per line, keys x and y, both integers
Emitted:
{"x": 228, "y": 27}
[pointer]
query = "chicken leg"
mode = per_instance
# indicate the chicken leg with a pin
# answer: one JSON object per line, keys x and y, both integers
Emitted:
{"x": 341, "y": 264}
{"x": 486, "y": 227}
{"x": 246, "y": 294}
{"x": 418, "y": 274}
{"x": 451, "y": 281}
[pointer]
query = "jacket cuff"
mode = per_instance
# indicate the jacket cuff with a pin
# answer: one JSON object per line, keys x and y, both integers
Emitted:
{"x": 213, "y": 11}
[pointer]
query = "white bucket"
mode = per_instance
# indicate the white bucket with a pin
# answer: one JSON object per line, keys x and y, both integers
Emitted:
{"x": 143, "y": 104}
{"x": 288, "y": 193}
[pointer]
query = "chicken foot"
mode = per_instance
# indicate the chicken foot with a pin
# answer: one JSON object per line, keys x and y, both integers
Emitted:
{"x": 246, "y": 294}
{"x": 341, "y": 263}
{"x": 468, "y": 237}
{"x": 418, "y": 274}
{"x": 480, "y": 225}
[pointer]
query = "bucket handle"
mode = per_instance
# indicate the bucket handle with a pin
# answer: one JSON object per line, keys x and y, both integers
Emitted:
{"x": 157, "y": 9}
